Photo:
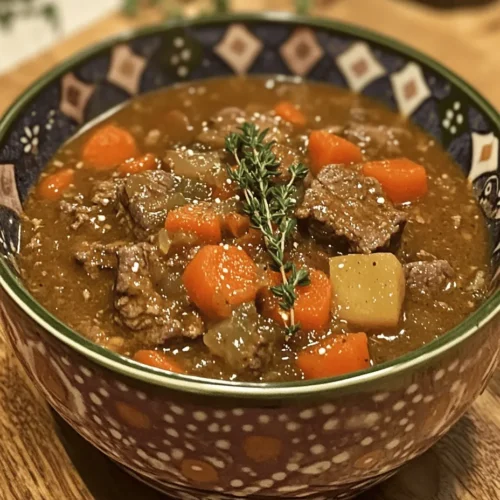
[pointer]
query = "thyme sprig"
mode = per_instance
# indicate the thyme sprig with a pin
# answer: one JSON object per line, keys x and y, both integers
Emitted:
{"x": 269, "y": 206}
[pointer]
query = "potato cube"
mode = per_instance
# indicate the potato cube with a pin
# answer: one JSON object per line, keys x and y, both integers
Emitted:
{"x": 368, "y": 290}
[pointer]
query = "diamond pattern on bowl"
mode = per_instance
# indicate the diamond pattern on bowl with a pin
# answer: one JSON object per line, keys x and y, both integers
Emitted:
{"x": 301, "y": 51}
{"x": 9, "y": 197}
{"x": 484, "y": 155}
{"x": 239, "y": 48}
{"x": 126, "y": 69}
{"x": 359, "y": 66}
{"x": 410, "y": 88}
{"x": 74, "y": 97}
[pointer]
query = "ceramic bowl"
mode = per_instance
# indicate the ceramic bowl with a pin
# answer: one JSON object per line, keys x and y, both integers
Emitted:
{"x": 196, "y": 438}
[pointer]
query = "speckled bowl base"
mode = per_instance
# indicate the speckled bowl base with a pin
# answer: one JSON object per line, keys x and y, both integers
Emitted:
{"x": 345, "y": 493}
{"x": 214, "y": 441}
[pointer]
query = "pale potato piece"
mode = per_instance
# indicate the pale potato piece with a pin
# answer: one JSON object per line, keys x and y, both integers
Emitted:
{"x": 368, "y": 290}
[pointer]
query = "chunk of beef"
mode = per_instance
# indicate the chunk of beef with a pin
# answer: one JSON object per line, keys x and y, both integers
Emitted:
{"x": 229, "y": 120}
{"x": 245, "y": 341}
{"x": 96, "y": 256}
{"x": 140, "y": 307}
{"x": 141, "y": 201}
{"x": 350, "y": 210}
{"x": 146, "y": 197}
{"x": 428, "y": 276}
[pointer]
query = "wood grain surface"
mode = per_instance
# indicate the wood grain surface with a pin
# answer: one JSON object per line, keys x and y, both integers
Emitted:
{"x": 42, "y": 458}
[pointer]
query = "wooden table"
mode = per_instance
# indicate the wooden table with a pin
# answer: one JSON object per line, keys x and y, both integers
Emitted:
{"x": 41, "y": 458}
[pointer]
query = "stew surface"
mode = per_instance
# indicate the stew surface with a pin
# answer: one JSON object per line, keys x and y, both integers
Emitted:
{"x": 139, "y": 234}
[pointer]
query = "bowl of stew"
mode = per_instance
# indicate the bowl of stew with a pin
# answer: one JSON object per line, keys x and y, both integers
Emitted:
{"x": 253, "y": 256}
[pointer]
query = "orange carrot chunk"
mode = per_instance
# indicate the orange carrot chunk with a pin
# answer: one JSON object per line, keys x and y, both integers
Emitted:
{"x": 326, "y": 148}
{"x": 109, "y": 146}
{"x": 220, "y": 278}
{"x": 237, "y": 224}
{"x": 136, "y": 165}
{"x": 53, "y": 186}
{"x": 197, "y": 220}
{"x": 335, "y": 355}
{"x": 157, "y": 360}
{"x": 312, "y": 305}
{"x": 314, "y": 301}
{"x": 290, "y": 113}
{"x": 402, "y": 179}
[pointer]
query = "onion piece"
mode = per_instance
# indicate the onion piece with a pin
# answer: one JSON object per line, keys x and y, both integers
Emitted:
{"x": 164, "y": 241}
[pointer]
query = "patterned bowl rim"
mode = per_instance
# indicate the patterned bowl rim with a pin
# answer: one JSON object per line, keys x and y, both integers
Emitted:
{"x": 197, "y": 385}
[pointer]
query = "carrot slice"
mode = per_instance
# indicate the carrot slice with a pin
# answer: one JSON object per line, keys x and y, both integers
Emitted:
{"x": 314, "y": 302}
{"x": 402, "y": 179}
{"x": 290, "y": 113}
{"x": 237, "y": 224}
{"x": 197, "y": 220}
{"x": 53, "y": 186}
{"x": 157, "y": 360}
{"x": 109, "y": 146}
{"x": 326, "y": 148}
{"x": 136, "y": 165}
{"x": 335, "y": 355}
{"x": 219, "y": 278}
{"x": 312, "y": 305}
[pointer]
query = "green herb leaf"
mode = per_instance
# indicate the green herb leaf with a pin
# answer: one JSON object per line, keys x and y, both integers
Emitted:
{"x": 269, "y": 206}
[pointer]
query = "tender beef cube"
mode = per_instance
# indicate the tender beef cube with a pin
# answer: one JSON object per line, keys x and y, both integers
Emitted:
{"x": 428, "y": 276}
{"x": 141, "y": 201}
{"x": 246, "y": 341}
{"x": 229, "y": 120}
{"x": 146, "y": 197}
{"x": 106, "y": 193}
{"x": 140, "y": 307}
{"x": 350, "y": 210}
{"x": 137, "y": 302}
{"x": 96, "y": 256}
{"x": 378, "y": 140}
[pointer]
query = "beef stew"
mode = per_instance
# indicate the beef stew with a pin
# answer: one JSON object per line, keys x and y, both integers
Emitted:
{"x": 141, "y": 234}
